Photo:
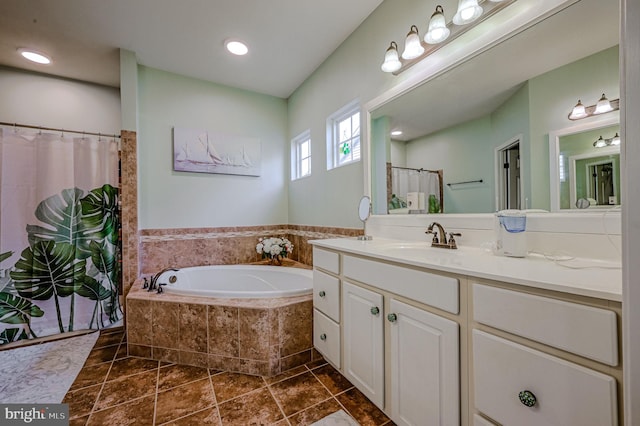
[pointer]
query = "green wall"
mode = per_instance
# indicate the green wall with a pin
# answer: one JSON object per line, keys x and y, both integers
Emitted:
{"x": 553, "y": 95}
{"x": 169, "y": 199}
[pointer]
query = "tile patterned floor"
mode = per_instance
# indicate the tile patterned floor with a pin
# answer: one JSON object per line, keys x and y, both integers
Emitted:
{"x": 114, "y": 389}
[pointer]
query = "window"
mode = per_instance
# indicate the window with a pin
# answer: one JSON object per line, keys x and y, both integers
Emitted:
{"x": 343, "y": 136}
{"x": 301, "y": 156}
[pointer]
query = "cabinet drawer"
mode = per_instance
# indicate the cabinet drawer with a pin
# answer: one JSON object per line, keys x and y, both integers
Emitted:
{"x": 326, "y": 260}
{"x": 583, "y": 330}
{"x": 326, "y": 337}
{"x": 326, "y": 294}
{"x": 566, "y": 393}
{"x": 424, "y": 287}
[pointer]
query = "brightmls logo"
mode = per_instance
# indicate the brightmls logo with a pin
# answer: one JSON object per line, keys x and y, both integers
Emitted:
{"x": 36, "y": 414}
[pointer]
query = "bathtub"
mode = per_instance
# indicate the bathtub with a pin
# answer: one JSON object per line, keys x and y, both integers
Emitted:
{"x": 248, "y": 319}
{"x": 238, "y": 281}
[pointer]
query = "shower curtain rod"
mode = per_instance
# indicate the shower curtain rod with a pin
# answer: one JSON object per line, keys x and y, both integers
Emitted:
{"x": 53, "y": 129}
{"x": 417, "y": 170}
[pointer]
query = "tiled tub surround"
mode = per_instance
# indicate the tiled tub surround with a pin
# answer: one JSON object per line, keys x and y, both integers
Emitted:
{"x": 183, "y": 247}
{"x": 252, "y": 336}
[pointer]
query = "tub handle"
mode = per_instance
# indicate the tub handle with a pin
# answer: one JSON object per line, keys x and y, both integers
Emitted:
{"x": 160, "y": 290}
{"x": 323, "y": 337}
{"x": 322, "y": 293}
{"x": 146, "y": 282}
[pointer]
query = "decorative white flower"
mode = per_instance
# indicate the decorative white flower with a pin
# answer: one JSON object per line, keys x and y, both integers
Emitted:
{"x": 273, "y": 247}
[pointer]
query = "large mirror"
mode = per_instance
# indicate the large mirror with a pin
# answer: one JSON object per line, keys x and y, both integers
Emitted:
{"x": 485, "y": 124}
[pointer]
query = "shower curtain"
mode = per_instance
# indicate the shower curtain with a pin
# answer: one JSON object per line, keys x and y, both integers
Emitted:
{"x": 59, "y": 234}
{"x": 404, "y": 181}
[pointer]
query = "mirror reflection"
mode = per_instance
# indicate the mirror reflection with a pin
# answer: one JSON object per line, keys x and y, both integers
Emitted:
{"x": 587, "y": 175}
{"x": 483, "y": 127}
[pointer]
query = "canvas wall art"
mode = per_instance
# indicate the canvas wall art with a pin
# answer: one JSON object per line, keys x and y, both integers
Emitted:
{"x": 202, "y": 151}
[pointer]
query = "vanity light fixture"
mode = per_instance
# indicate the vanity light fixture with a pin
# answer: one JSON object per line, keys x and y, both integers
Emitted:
{"x": 412, "y": 46}
{"x": 391, "y": 62}
{"x": 468, "y": 11}
{"x": 615, "y": 141}
{"x": 439, "y": 33}
{"x": 578, "y": 111}
{"x": 601, "y": 107}
{"x": 601, "y": 142}
{"x": 396, "y": 133}
{"x": 33, "y": 56}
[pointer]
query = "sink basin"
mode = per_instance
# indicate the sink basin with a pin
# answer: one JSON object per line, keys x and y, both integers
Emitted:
{"x": 422, "y": 250}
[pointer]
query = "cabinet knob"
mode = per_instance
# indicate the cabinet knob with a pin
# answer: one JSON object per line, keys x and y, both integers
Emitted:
{"x": 375, "y": 310}
{"x": 527, "y": 398}
{"x": 323, "y": 336}
{"x": 322, "y": 293}
{"x": 392, "y": 317}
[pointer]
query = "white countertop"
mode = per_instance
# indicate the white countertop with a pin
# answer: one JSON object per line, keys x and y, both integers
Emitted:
{"x": 585, "y": 277}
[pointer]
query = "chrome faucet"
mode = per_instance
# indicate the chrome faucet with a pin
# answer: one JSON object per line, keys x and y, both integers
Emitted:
{"x": 154, "y": 280}
{"x": 442, "y": 241}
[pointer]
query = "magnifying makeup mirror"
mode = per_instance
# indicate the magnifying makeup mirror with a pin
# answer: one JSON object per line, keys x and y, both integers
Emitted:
{"x": 364, "y": 211}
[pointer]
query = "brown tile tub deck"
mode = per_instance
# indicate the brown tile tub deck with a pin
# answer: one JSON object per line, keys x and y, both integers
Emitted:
{"x": 262, "y": 337}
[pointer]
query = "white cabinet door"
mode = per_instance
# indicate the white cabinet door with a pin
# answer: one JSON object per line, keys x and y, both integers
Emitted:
{"x": 362, "y": 320}
{"x": 425, "y": 372}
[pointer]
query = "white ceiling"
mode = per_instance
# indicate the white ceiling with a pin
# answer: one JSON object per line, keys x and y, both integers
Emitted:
{"x": 288, "y": 39}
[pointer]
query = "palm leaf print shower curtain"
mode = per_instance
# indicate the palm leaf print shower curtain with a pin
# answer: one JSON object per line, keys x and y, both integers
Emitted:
{"x": 59, "y": 234}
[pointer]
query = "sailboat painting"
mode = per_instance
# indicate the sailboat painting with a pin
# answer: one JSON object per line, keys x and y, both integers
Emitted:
{"x": 202, "y": 151}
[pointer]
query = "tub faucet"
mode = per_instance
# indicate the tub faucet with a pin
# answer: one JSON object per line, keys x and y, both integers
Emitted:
{"x": 154, "y": 280}
{"x": 442, "y": 241}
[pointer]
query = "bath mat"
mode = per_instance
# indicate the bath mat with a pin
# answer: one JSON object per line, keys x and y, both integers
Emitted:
{"x": 339, "y": 418}
{"x": 43, "y": 373}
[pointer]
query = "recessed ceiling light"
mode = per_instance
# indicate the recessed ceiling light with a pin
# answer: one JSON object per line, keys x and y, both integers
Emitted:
{"x": 34, "y": 56}
{"x": 236, "y": 47}
{"x": 396, "y": 133}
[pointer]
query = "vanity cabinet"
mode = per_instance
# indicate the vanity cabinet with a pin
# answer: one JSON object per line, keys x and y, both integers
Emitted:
{"x": 431, "y": 347}
{"x": 326, "y": 306}
{"x": 403, "y": 357}
{"x": 518, "y": 381}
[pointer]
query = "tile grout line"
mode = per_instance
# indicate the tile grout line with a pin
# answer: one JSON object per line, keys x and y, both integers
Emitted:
{"x": 339, "y": 393}
{"x": 155, "y": 395}
{"x": 213, "y": 389}
{"x": 284, "y": 415}
{"x": 104, "y": 381}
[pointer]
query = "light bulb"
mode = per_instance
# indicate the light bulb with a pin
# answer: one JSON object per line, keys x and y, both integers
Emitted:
{"x": 236, "y": 47}
{"x": 412, "y": 46}
{"x": 438, "y": 31}
{"x": 578, "y": 111}
{"x": 468, "y": 11}
{"x": 391, "y": 62}
{"x": 615, "y": 140}
{"x": 600, "y": 143}
{"x": 33, "y": 56}
{"x": 603, "y": 105}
